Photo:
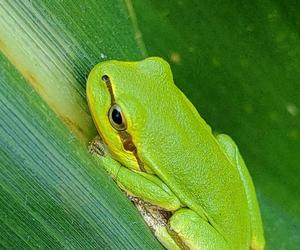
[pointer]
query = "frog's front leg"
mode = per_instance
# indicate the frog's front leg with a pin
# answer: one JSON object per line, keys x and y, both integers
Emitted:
{"x": 143, "y": 185}
{"x": 138, "y": 184}
{"x": 232, "y": 151}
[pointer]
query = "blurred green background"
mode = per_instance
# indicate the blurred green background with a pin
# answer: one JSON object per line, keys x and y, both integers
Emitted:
{"x": 237, "y": 62}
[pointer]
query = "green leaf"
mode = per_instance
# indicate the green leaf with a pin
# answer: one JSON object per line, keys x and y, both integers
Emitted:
{"x": 54, "y": 194}
{"x": 239, "y": 63}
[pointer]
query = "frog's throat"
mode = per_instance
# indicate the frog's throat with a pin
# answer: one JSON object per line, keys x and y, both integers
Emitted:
{"x": 125, "y": 137}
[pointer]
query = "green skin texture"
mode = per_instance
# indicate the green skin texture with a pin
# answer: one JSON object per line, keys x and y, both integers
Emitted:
{"x": 200, "y": 177}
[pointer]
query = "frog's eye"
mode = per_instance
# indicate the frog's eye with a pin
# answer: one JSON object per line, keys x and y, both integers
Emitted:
{"x": 116, "y": 117}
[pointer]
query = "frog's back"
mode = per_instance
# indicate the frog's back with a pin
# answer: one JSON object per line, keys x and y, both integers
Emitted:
{"x": 188, "y": 158}
{"x": 176, "y": 143}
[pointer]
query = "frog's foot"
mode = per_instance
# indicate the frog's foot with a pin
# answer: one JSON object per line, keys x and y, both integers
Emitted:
{"x": 185, "y": 229}
{"x": 190, "y": 231}
{"x": 97, "y": 147}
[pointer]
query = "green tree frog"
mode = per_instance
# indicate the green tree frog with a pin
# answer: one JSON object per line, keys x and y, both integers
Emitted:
{"x": 168, "y": 156}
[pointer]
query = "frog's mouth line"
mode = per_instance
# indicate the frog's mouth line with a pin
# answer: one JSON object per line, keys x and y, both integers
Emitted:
{"x": 125, "y": 137}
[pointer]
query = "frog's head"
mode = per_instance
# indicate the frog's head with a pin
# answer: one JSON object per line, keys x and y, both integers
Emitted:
{"x": 122, "y": 97}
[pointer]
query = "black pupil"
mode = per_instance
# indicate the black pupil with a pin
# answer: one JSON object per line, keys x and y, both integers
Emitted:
{"x": 116, "y": 117}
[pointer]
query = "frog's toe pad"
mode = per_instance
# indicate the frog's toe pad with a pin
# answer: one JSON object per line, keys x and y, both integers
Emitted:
{"x": 190, "y": 231}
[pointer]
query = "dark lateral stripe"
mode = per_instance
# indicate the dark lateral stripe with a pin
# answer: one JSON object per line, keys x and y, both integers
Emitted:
{"x": 125, "y": 137}
{"x": 129, "y": 146}
{"x": 106, "y": 79}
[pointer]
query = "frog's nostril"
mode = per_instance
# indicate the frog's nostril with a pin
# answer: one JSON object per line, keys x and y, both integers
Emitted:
{"x": 105, "y": 78}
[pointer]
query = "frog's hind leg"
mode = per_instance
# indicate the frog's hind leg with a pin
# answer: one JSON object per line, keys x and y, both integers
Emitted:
{"x": 187, "y": 230}
{"x": 232, "y": 151}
